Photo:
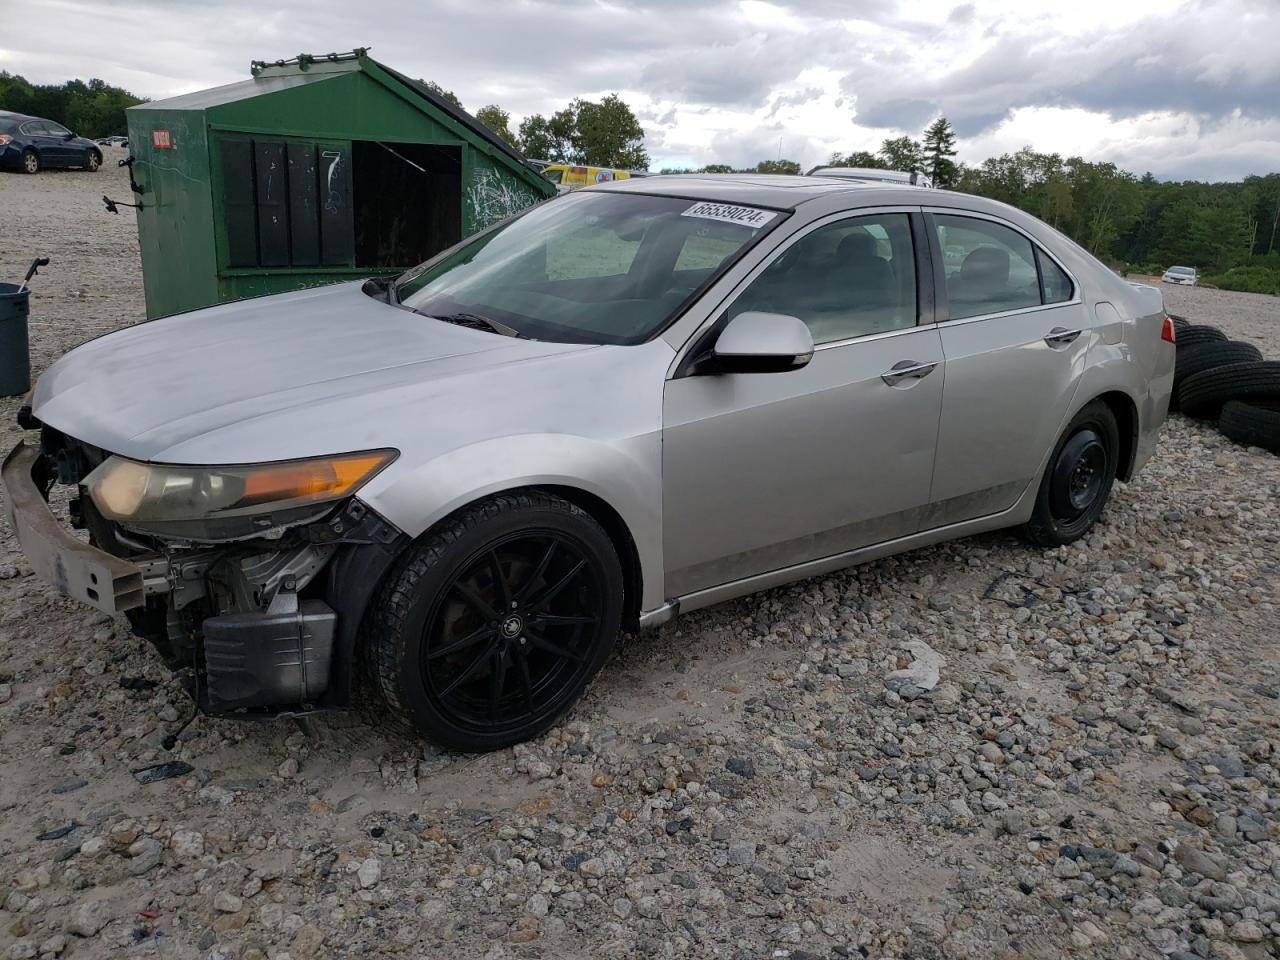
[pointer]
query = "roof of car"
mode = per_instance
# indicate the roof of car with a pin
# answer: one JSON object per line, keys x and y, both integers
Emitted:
{"x": 769, "y": 190}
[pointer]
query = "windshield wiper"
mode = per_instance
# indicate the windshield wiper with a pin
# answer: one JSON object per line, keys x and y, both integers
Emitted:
{"x": 477, "y": 322}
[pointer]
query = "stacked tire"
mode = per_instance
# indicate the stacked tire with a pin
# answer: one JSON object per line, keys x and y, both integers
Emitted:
{"x": 1227, "y": 381}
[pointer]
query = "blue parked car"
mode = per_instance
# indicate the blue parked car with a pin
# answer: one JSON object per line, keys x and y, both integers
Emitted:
{"x": 31, "y": 144}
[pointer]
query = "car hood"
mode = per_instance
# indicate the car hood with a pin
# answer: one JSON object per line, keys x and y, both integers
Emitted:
{"x": 182, "y": 388}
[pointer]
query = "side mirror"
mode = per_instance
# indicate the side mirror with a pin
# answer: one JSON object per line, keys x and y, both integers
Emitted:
{"x": 68, "y": 135}
{"x": 756, "y": 342}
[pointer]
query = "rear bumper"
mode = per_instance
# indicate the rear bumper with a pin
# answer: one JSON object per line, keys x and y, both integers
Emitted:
{"x": 10, "y": 157}
{"x": 74, "y": 568}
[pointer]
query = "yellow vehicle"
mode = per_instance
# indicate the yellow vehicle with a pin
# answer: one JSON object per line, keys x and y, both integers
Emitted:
{"x": 568, "y": 176}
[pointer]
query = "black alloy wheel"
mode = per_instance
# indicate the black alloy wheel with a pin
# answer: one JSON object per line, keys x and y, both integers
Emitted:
{"x": 512, "y": 635}
{"x": 1078, "y": 478}
{"x": 495, "y": 621}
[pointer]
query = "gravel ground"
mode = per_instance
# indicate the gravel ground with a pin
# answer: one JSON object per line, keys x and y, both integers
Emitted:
{"x": 1094, "y": 774}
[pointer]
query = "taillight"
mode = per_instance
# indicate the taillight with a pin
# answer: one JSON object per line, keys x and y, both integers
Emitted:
{"x": 4, "y": 138}
{"x": 1166, "y": 330}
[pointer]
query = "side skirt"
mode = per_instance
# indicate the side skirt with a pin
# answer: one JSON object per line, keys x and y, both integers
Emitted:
{"x": 1012, "y": 516}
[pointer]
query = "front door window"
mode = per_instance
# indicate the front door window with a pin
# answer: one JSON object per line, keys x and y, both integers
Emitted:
{"x": 846, "y": 279}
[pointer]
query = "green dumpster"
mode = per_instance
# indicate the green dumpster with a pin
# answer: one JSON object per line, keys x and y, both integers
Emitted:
{"x": 316, "y": 170}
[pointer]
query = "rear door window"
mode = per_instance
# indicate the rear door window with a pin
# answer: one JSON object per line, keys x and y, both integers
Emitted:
{"x": 990, "y": 268}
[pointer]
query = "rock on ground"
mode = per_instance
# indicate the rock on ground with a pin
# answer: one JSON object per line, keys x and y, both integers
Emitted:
{"x": 1093, "y": 768}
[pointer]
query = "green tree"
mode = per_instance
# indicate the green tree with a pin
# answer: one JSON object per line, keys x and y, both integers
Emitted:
{"x": 547, "y": 139}
{"x": 497, "y": 120}
{"x": 603, "y": 134}
{"x": 607, "y": 134}
{"x": 901, "y": 153}
{"x": 716, "y": 168}
{"x": 939, "y": 148}
{"x": 92, "y": 109}
{"x": 440, "y": 91}
{"x": 776, "y": 166}
{"x": 856, "y": 158}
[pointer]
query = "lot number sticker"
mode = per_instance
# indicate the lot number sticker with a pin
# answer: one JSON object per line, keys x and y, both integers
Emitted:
{"x": 729, "y": 213}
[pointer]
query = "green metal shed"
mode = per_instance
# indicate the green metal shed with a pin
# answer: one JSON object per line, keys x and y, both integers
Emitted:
{"x": 318, "y": 169}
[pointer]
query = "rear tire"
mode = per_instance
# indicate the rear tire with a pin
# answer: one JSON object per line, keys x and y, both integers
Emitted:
{"x": 1255, "y": 426}
{"x": 1194, "y": 334}
{"x": 1077, "y": 479}
{"x": 30, "y": 161}
{"x": 495, "y": 621}
{"x": 1202, "y": 394}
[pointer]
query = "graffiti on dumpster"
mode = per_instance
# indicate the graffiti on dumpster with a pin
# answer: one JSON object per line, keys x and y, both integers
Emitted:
{"x": 493, "y": 198}
{"x": 334, "y": 199}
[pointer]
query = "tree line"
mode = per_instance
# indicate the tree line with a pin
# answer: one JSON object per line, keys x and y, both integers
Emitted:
{"x": 1229, "y": 231}
{"x": 1141, "y": 225}
{"x": 603, "y": 133}
{"x": 92, "y": 109}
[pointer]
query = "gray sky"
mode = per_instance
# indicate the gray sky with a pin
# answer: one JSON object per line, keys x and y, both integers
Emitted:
{"x": 1186, "y": 90}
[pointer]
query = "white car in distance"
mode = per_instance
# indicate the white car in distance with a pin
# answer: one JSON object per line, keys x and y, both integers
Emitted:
{"x": 1183, "y": 275}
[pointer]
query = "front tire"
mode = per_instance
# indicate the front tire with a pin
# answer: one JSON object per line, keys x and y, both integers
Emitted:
{"x": 93, "y": 161}
{"x": 1078, "y": 478}
{"x": 495, "y": 621}
{"x": 30, "y": 161}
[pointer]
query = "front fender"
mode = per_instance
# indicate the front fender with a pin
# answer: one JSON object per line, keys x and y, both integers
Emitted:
{"x": 626, "y": 474}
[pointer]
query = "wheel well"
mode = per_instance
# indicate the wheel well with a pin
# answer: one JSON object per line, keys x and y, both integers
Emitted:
{"x": 1126, "y": 414}
{"x": 614, "y": 526}
{"x": 623, "y": 542}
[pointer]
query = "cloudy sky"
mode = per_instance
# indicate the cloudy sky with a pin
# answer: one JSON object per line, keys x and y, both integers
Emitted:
{"x": 1186, "y": 90}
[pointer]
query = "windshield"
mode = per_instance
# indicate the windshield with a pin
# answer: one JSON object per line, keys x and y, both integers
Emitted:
{"x": 1183, "y": 271}
{"x": 588, "y": 267}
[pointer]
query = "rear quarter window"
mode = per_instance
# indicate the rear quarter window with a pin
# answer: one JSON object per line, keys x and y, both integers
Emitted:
{"x": 1054, "y": 280}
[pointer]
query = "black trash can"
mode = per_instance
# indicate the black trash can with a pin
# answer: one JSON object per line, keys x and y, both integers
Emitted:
{"x": 15, "y": 357}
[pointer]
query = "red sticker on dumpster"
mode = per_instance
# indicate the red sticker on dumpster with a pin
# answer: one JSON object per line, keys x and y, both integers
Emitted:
{"x": 160, "y": 140}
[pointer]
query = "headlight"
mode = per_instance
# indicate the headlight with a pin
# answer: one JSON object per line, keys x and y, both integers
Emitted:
{"x": 134, "y": 492}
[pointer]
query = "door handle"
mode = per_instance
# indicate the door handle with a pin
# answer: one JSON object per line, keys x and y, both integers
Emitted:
{"x": 1060, "y": 337}
{"x": 907, "y": 370}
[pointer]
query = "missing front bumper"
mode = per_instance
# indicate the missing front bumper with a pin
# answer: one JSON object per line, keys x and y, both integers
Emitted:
{"x": 74, "y": 568}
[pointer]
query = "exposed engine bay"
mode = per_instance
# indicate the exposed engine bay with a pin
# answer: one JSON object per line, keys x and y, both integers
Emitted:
{"x": 250, "y": 619}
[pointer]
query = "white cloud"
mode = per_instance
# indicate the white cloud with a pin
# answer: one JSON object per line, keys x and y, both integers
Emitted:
{"x": 1182, "y": 88}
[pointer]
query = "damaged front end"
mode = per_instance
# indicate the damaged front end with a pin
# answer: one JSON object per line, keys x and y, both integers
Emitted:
{"x": 258, "y": 607}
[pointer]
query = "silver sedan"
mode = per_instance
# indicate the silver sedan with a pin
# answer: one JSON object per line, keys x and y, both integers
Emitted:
{"x": 625, "y": 403}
